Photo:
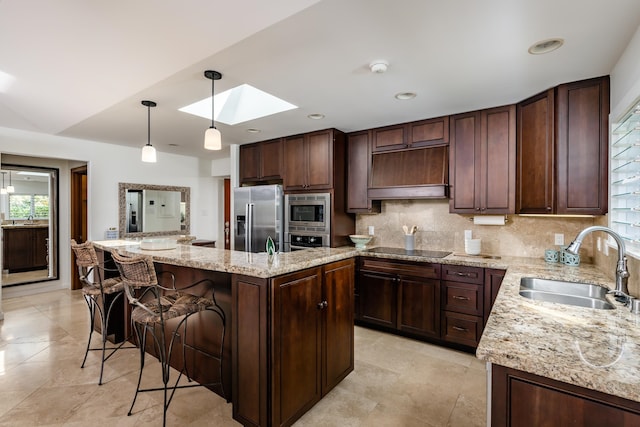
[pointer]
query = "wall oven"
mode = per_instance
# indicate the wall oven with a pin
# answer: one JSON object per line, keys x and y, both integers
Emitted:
{"x": 307, "y": 220}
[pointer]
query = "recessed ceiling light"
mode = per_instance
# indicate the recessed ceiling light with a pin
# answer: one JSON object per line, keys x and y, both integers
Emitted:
{"x": 546, "y": 46}
{"x": 379, "y": 66}
{"x": 316, "y": 116}
{"x": 252, "y": 130}
{"x": 405, "y": 95}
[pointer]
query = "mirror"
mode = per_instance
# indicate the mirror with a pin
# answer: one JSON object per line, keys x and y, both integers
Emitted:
{"x": 29, "y": 224}
{"x": 153, "y": 210}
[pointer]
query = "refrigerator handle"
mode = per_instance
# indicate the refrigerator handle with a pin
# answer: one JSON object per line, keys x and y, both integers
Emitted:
{"x": 249, "y": 227}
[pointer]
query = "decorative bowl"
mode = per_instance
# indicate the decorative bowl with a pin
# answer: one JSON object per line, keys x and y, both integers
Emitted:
{"x": 360, "y": 240}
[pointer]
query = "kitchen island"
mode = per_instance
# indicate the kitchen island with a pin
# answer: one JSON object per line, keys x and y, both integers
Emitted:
{"x": 290, "y": 318}
{"x": 581, "y": 356}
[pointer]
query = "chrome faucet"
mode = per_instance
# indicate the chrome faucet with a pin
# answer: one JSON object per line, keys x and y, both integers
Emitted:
{"x": 622, "y": 274}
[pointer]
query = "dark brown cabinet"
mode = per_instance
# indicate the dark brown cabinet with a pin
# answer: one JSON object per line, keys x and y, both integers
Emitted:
{"x": 482, "y": 161}
{"x": 463, "y": 304}
{"x": 562, "y": 150}
{"x": 522, "y": 399}
{"x": 25, "y": 248}
{"x": 411, "y": 135}
{"x": 535, "y": 148}
{"x": 399, "y": 295}
{"x": 444, "y": 303}
{"x": 311, "y": 160}
{"x": 358, "y": 165}
{"x": 292, "y": 341}
{"x": 261, "y": 161}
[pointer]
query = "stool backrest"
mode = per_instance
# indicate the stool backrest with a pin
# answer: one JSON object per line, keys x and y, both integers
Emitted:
{"x": 85, "y": 254}
{"x": 136, "y": 271}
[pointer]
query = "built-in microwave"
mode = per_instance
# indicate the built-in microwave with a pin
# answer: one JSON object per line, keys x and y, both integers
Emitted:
{"x": 308, "y": 212}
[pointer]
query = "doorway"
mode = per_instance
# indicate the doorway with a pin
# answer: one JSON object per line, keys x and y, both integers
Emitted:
{"x": 29, "y": 214}
{"x": 78, "y": 216}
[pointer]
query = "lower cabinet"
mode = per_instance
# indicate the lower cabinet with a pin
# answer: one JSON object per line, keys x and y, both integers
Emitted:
{"x": 438, "y": 302}
{"x": 294, "y": 343}
{"x": 523, "y": 399}
{"x": 25, "y": 248}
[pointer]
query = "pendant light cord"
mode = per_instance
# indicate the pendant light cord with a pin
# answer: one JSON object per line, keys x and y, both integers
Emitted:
{"x": 149, "y": 124}
{"x": 213, "y": 125}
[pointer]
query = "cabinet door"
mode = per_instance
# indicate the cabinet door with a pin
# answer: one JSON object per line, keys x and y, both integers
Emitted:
{"x": 535, "y": 154}
{"x": 40, "y": 248}
{"x": 359, "y": 159}
{"x": 378, "y": 300}
{"x": 389, "y": 138}
{"x": 419, "y": 306}
{"x": 297, "y": 341}
{"x": 581, "y": 145}
{"x": 429, "y": 132}
{"x": 523, "y": 399}
{"x": 337, "y": 331}
{"x": 492, "y": 281}
{"x": 271, "y": 160}
{"x": 295, "y": 164}
{"x": 498, "y": 160}
{"x": 319, "y": 160}
{"x": 464, "y": 163}
{"x": 18, "y": 249}
{"x": 250, "y": 162}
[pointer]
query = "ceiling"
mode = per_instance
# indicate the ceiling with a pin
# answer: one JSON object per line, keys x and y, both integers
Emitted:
{"x": 81, "y": 68}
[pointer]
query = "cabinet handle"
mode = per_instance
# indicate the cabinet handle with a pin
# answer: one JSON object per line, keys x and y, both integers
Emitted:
{"x": 322, "y": 304}
{"x": 458, "y": 328}
{"x": 457, "y": 273}
{"x": 460, "y": 298}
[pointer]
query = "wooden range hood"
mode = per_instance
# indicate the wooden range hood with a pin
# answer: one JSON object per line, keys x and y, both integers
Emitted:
{"x": 410, "y": 174}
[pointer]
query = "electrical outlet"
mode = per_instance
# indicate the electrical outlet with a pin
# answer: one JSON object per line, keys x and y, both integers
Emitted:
{"x": 559, "y": 239}
{"x": 599, "y": 244}
{"x": 467, "y": 234}
{"x": 606, "y": 248}
{"x": 371, "y": 231}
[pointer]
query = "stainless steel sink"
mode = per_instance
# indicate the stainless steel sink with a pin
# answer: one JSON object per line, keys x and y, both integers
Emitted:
{"x": 571, "y": 293}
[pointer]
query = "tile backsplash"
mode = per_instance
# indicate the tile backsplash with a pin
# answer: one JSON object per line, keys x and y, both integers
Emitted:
{"x": 524, "y": 236}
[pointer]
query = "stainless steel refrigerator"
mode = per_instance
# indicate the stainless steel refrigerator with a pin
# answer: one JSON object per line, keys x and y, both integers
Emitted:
{"x": 258, "y": 214}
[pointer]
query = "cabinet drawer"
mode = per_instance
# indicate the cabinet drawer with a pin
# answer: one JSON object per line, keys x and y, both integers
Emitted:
{"x": 461, "y": 328}
{"x": 423, "y": 270}
{"x": 463, "y": 298}
{"x": 461, "y": 273}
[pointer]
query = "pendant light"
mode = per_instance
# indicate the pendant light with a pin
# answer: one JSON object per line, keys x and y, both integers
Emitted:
{"x": 10, "y": 187}
{"x": 212, "y": 137}
{"x": 3, "y": 190}
{"x": 148, "y": 152}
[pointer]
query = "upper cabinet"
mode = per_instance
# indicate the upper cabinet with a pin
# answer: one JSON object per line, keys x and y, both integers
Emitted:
{"x": 482, "y": 161}
{"x": 563, "y": 150}
{"x": 261, "y": 161}
{"x": 312, "y": 160}
{"x": 358, "y": 159}
{"x": 411, "y": 135}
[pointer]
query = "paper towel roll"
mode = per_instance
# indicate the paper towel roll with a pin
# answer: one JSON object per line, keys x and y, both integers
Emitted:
{"x": 489, "y": 220}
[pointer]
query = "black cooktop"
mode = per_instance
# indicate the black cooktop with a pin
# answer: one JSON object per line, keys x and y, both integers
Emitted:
{"x": 416, "y": 252}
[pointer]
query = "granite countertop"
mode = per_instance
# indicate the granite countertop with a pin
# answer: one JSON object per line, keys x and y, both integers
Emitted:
{"x": 23, "y": 225}
{"x": 591, "y": 348}
{"x": 595, "y": 349}
{"x": 247, "y": 263}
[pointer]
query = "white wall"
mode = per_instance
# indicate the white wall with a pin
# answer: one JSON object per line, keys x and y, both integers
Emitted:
{"x": 108, "y": 165}
{"x": 625, "y": 78}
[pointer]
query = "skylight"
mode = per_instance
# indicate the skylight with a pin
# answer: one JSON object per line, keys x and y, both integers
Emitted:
{"x": 6, "y": 80}
{"x": 239, "y": 104}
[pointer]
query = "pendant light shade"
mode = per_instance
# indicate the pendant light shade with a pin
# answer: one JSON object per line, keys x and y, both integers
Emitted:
{"x": 148, "y": 152}
{"x": 10, "y": 187}
{"x": 212, "y": 137}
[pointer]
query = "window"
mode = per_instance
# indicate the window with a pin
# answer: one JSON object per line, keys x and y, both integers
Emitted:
{"x": 625, "y": 179}
{"x": 23, "y": 206}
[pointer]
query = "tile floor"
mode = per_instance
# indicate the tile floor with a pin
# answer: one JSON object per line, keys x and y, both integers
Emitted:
{"x": 396, "y": 381}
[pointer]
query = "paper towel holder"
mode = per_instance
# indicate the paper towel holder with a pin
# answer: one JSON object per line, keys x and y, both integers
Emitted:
{"x": 473, "y": 219}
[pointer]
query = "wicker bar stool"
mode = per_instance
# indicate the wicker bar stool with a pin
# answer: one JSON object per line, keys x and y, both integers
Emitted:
{"x": 95, "y": 289}
{"x": 153, "y": 305}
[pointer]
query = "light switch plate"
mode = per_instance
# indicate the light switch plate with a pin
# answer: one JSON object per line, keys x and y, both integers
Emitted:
{"x": 467, "y": 234}
{"x": 371, "y": 230}
{"x": 559, "y": 239}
